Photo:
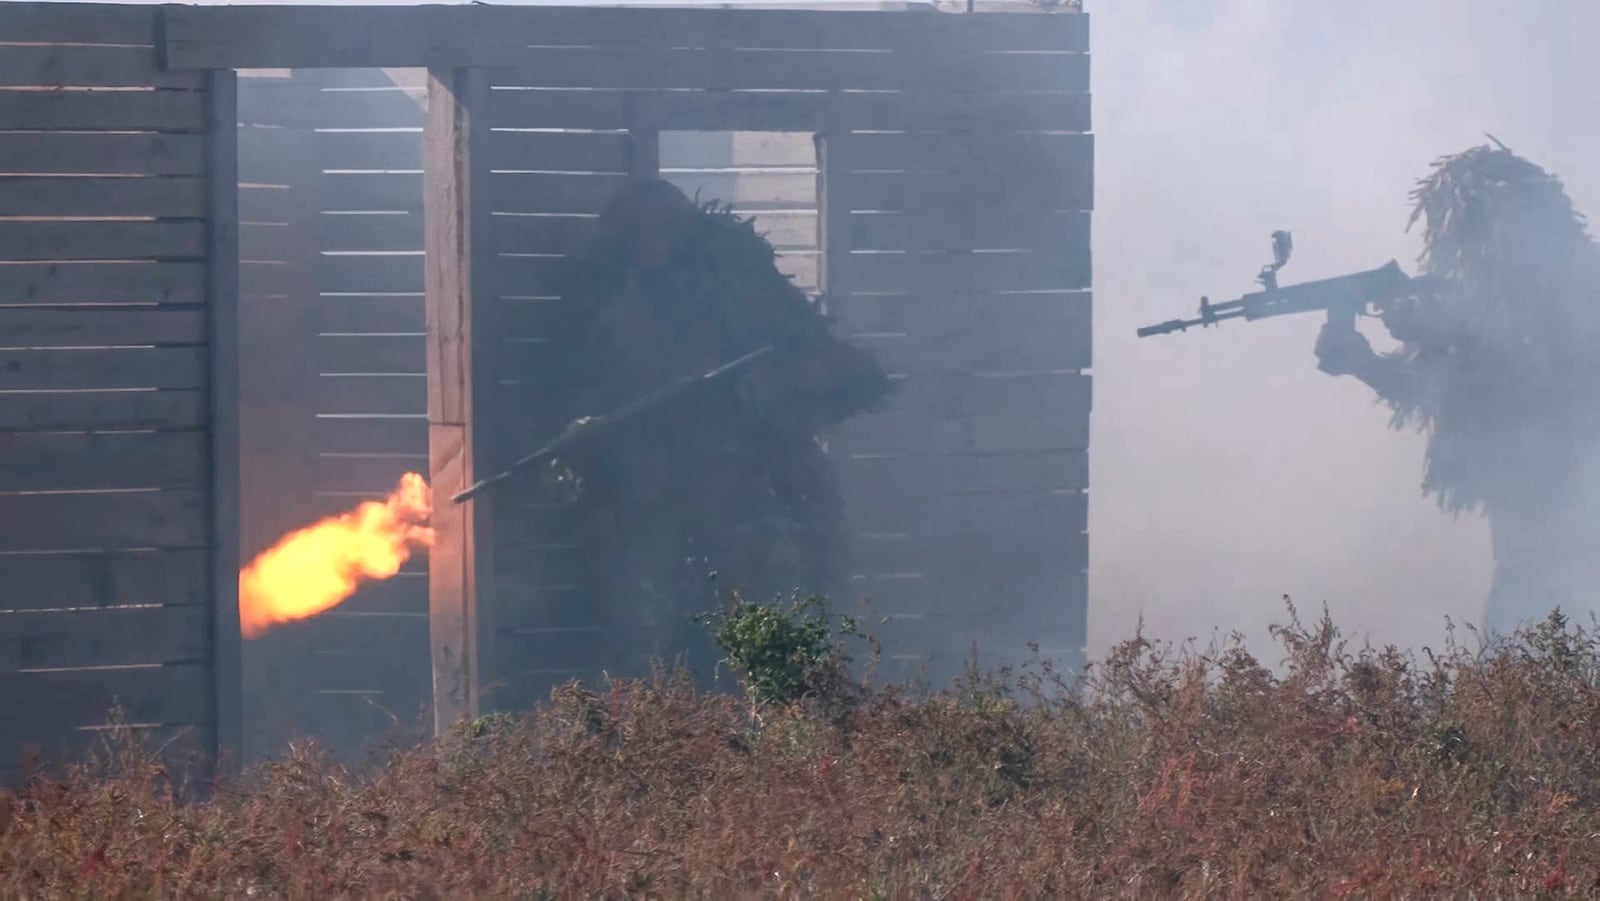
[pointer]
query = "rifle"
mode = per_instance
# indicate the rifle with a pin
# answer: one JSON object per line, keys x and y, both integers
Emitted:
{"x": 1344, "y": 297}
{"x": 588, "y": 427}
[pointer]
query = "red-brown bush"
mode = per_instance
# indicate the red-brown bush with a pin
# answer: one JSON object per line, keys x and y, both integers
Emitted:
{"x": 1172, "y": 772}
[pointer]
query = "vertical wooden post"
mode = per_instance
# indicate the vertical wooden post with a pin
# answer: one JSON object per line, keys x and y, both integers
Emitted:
{"x": 460, "y": 346}
{"x": 644, "y": 136}
{"x": 222, "y": 305}
{"x": 833, "y": 210}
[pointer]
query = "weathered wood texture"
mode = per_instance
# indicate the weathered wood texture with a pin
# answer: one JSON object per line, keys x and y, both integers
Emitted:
{"x": 428, "y": 36}
{"x": 956, "y": 224}
{"x": 461, "y": 347}
{"x": 333, "y": 297}
{"x": 114, "y": 289}
{"x": 954, "y": 216}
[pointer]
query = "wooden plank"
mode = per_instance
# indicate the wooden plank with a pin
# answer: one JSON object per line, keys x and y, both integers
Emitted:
{"x": 262, "y": 243}
{"x": 531, "y": 151}
{"x": 902, "y": 432}
{"x": 370, "y": 354}
{"x": 948, "y": 229}
{"x": 957, "y": 514}
{"x": 993, "y": 350}
{"x": 222, "y": 377}
{"x": 530, "y": 276}
{"x": 102, "y": 110}
{"x": 274, "y": 156}
{"x": 909, "y": 475}
{"x": 118, "y": 367}
{"x": 657, "y": 68}
{"x": 364, "y": 274}
{"x": 993, "y": 397}
{"x": 1003, "y": 616}
{"x": 262, "y": 203}
{"x": 54, "y": 702}
{"x": 555, "y": 649}
{"x": 372, "y": 436}
{"x": 344, "y": 630}
{"x": 370, "y": 315}
{"x": 398, "y": 673}
{"x": 528, "y": 318}
{"x": 67, "y": 410}
{"x": 132, "y": 282}
{"x": 45, "y": 581}
{"x": 97, "y": 326}
{"x": 84, "y": 153}
{"x": 372, "y": 191}
{"x": 930, "y": 316}
{"x": 994, "y": 152}
{"x": 427, "y": 36}
{"x": 104, "y": 637}
{"x": 61, "y": 241}
{"x": 370, "y": 149}
{"x": 750, "y": 191}
{"x": 990, "y": 602}
{"x": 1066, "y": 268}
{"x": 366, "y": 474}
{"x": 1019, "y": 333}
{"x": 941, "y": 197}
{"x": 64, "y": 461}
{"x": 888, "y": 555}
{"x": 387, "y": 395}
{"x": 802, "y": 267}
{"x": 832, "y": 149}
{"x": 39, "y": 65}
{"x": 788, "y": 230}
{"x": 404, "y": 593}
{"x": 114, "y": 521}
{"x": 79, "y": 23}
{"x": 369, "y": 232}
{"x": 179, "y": 197}
{"x": 1021, "y": 110}
{"x": 541, "y": 234}
{"x": 550, "y": 193}
{"x": 513, "y": 107}
{"x": 998, "y": 112}
{"x": 324, "y": 106}
{"x": 460, "y": 356}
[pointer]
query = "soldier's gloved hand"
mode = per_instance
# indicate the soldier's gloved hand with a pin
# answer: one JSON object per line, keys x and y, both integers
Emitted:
{"x": 1409, "y": 322}
{"x": 1342, "y": 351}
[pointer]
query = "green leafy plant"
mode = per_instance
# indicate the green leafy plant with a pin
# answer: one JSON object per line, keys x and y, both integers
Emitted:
{"x": 782, "y": 653}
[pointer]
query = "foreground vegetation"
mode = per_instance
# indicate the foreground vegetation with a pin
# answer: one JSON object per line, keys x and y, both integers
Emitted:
{"x": 1168, "y": 771}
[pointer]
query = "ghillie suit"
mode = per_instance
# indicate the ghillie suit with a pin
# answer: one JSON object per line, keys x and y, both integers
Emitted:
{"x": 726, "y": 489}
{"x": 1501, "y": 372}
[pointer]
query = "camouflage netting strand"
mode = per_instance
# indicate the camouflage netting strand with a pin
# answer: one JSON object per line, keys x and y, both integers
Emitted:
{"x": 726, "y": 489}
{"x": 1500, "y": 395}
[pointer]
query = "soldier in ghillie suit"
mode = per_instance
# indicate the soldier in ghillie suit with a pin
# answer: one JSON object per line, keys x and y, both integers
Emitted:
{"x": 1502, "y": 373}
{"x": 726, "y": 489}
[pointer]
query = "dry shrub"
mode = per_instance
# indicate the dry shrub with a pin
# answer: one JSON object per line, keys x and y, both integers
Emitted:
{"x": 1166, "y": 772}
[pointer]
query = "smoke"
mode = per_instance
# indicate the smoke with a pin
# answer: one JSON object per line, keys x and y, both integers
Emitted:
{"x": 1226, "y": 470}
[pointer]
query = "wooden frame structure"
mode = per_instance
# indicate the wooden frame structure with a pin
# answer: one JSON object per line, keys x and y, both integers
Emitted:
{"x": 955, "y": 161}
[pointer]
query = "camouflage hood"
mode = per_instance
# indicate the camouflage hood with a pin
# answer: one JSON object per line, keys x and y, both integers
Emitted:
{"x": 1516, "y": 391}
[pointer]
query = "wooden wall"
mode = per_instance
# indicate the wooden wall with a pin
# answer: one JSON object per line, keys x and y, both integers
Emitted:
{"x": 333, "y": 384}
{"x": 116, "y": 462}
{"x": 944, "y": 211}
{"x": 952, "y": 217}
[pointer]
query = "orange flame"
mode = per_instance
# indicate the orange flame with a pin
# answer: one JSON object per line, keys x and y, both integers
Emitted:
{"x": 313, "y": 570}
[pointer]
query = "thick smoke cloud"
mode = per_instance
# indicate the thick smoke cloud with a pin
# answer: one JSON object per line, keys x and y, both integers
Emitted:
{"x": 1226, "y": 470}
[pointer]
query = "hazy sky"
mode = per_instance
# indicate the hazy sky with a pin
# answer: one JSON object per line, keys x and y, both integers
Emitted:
{"x": 1228, "y": 471}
